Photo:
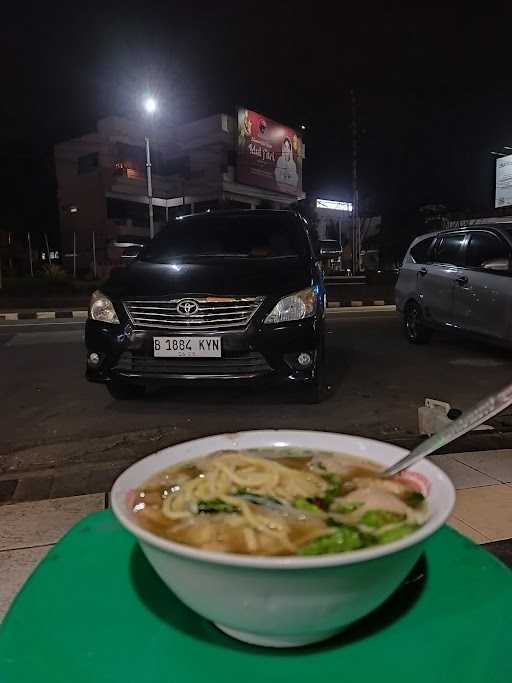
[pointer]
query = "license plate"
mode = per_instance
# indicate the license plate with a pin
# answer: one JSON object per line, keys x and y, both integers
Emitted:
{"x": 187, "y": 347}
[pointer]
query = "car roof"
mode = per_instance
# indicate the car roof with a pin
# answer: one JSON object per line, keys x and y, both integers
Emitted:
{"x": 464, "y": 228}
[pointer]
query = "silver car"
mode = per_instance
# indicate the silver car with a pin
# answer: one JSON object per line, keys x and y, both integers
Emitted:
{"x": 458, "y": 279}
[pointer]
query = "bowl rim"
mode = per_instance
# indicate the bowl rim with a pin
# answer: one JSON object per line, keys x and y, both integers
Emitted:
{"x": 436, "y": 475}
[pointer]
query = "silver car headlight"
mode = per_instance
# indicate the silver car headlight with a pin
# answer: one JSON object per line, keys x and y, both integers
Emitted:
{"x": 102, "y": 309}
{"x": 295, "y": 306}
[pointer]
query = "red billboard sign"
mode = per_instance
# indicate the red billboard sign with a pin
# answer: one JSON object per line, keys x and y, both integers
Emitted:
{"x": 269, "y": 155}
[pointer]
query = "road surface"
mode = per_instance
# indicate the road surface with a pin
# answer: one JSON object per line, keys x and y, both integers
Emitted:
{"x": 53, "y": 421}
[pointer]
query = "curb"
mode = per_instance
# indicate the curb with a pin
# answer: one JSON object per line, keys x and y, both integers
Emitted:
{"x": 351, "y": 303}
{"x": 82, "y": 314}
{"x": 45, "y": 315}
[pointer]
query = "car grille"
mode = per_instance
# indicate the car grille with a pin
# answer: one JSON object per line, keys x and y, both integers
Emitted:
{"x": 242, "y": 365}
{"x": 212, "y": 314}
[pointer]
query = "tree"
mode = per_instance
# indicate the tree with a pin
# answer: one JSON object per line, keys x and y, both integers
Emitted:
{"x": 398, "y": 228}
{"x": 435, "y": 216}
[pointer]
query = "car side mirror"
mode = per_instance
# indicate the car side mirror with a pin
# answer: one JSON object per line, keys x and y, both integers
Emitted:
{"x": 131, "y": 253}
{"x": 501, "y": 265}
{"x": 329, "y": 249}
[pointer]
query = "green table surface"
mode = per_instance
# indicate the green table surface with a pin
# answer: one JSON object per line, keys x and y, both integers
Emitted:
{"x": 94, "y": 611}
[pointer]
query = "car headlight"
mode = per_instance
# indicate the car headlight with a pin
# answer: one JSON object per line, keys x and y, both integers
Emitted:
{"x": 102, "y": 309}
{"x": 294, "y": 306}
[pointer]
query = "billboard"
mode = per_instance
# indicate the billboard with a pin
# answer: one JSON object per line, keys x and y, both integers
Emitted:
{"x": 332, "y": 205}
{"x": 503, "y": 181}
{"x": 269, "y": 155}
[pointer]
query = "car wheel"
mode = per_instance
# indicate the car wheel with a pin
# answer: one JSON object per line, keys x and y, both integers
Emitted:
{"x": 124, "y": 391}
{"x": 415, "y": 329}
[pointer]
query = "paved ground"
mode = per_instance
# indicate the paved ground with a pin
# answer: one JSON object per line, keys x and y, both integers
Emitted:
{"x": 69, "y": 437}
{"x": 378, "y": 383}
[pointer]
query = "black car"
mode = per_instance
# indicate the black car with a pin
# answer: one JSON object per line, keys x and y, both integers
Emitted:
{"x": 213, "y": 297}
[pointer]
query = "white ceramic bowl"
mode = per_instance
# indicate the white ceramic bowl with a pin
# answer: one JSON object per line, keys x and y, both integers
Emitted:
{"x": 283, "y": 601}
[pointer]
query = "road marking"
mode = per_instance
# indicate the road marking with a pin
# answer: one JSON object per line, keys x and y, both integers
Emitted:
{"x": 37, "y": 338}
{"x": 362, "y": 309}
{"x": 40, "y": 323}
{"x": 45, "y": 315}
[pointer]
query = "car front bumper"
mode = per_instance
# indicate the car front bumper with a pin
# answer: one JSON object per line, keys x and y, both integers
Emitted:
{"x": 260, "y": 352}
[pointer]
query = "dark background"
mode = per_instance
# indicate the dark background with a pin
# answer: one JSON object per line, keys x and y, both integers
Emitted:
{"x": 433, "y": 86}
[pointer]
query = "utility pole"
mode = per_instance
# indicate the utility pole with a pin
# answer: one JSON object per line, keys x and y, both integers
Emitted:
{"x": 48, "y": 248}
{"x": 356, "y": 229}
{"x": 30, "y": 255}
{"x": 150, "y": 190}
{"x": 94, "y": 268}
{"x": 74, "y": 255}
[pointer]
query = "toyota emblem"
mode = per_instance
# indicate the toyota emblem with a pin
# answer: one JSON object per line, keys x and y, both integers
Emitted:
{"x": 187, "y": 307}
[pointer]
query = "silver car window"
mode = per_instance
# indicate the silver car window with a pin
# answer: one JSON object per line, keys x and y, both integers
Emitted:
{"x": 484, "y": 247}
{"x": 449, "y": 249}
{"x": 421, "y": 252}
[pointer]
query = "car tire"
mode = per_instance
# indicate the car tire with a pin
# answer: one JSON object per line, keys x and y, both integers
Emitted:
{"x": 317, "y": 389}
{"x": 124, "y": 391}
{"x": 315, "y": 392}
{"x": 415, "y": 329}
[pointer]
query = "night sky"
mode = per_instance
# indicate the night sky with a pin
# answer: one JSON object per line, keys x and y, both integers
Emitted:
{"x": 434, "y": 88}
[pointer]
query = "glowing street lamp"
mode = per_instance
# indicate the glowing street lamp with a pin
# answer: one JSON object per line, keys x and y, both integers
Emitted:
{"x": 150, "y": 105}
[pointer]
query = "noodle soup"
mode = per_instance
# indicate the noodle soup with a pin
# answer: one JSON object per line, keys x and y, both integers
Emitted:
{"x": 278, "y": 502}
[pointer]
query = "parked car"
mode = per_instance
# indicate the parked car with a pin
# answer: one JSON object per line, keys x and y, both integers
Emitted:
{"x": 458, "y": 280}
{"x": 213, "y": 297}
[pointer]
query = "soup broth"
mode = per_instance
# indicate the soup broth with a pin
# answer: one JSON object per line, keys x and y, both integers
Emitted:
{"x": 277, "y": 501}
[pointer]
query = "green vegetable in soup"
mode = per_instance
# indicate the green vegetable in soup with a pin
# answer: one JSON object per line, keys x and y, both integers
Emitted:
{"x": 378, "y": 518}
{"x": 306, "y": 504}
{"x": 397, "y": 533}
{"x": 413, "y": 498}
{"x": 344, "y": 509}
{"x": 215, "y": 505}
{"x": 267, "y": 501}
{"x": 330, "y": 478}
{"x": 332, "y": 492}
{"x": 343, "y": 539}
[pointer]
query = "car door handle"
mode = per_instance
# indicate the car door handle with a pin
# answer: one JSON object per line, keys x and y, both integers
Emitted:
{"x": 423, "y": 271}
{"x": 461, "y": 280}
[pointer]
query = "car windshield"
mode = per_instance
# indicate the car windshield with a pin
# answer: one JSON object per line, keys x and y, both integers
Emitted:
{"x": 236, "y": 236}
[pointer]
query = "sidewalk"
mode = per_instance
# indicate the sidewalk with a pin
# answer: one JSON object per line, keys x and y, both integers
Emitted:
{"x": 483, "y": 513}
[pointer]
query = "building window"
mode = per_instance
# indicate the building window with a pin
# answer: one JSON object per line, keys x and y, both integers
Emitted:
{"x": 88, "y": 163}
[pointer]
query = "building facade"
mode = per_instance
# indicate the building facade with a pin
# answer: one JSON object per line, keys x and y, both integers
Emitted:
{"x": 102, "y": 184}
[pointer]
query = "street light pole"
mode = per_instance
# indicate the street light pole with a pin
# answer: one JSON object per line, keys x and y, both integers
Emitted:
{"x": 356, "y": 228}
{"x": 150, "y": 190}
{"x": 150, "y": 106}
